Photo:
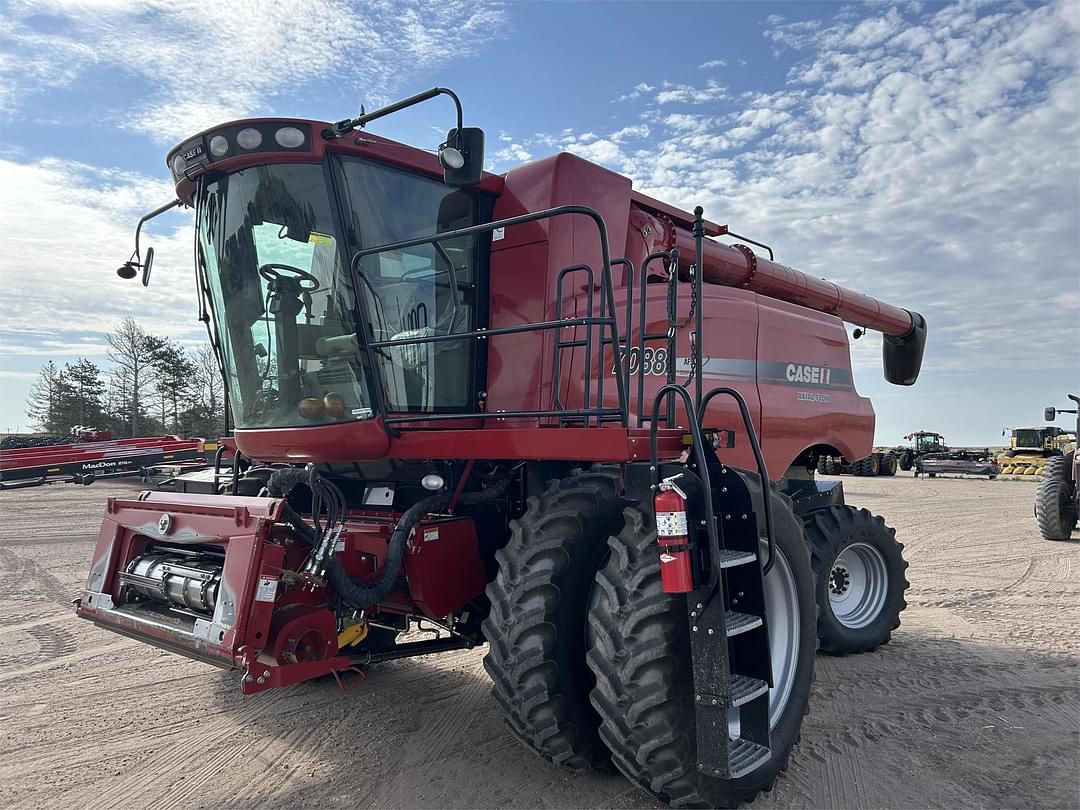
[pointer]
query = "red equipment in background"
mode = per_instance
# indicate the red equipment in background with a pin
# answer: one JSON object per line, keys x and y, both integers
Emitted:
{"x": 82, "y": 463}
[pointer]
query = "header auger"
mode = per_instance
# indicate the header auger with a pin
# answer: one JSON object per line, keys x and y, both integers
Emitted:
{"x": 511, "y": 407}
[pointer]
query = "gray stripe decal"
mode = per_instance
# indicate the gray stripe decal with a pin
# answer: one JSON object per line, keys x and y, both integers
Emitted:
{"x": 769, "y": 371}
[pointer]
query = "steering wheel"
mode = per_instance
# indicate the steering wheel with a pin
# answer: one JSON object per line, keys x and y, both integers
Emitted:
{"x": 273, "y": 271}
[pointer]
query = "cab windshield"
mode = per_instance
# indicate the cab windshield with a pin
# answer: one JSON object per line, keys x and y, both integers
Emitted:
{"x": 1028, "y": 438}
{"x": 284, "y": 302}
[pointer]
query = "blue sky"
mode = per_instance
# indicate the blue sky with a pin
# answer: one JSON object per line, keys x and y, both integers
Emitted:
{"x": 928, "y": 154}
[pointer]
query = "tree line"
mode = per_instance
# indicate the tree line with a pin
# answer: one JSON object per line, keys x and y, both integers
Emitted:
{"x": 155, "y": 386}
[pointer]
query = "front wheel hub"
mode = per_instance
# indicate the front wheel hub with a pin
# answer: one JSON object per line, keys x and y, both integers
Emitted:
{"x": 858, "y": 585}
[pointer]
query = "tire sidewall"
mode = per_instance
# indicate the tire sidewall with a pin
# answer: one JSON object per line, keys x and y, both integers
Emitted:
{"x": 872, "y": 634}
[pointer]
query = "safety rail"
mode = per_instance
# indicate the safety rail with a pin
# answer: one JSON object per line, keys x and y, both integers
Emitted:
{"x": 606, "y": 321}
{"x": 696, "y": 419}
{"x": 643, "y": 337}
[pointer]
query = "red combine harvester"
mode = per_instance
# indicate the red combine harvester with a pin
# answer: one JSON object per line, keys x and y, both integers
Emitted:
{"x": 455, "y": 405}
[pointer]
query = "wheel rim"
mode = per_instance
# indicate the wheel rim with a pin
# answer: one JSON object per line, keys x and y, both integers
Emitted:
{"x": 782, "y": 610}
{"x": 858, "y": 585}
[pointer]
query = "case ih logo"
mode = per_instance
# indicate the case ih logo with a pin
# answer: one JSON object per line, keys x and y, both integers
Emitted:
{"x": 807, "y": 374}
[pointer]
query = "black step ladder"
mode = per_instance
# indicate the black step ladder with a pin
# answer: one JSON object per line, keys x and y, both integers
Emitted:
{"x": 729, "y": 638}
{"x": 729, "y": 633}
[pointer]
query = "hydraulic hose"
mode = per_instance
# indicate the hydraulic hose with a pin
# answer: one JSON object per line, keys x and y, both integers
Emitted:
{"x": 360, "y": 596}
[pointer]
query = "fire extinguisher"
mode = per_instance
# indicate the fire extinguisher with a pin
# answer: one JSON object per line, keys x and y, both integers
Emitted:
{"x": 672, "y": 534}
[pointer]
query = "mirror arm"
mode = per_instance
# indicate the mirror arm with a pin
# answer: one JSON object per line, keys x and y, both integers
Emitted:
{"x": 131, "y": 267}
{"x": 147, "y": 217}
{"x": 341, "y": 127}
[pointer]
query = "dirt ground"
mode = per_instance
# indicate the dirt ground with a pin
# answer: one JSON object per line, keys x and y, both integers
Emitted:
{"x": 975, "y": 703}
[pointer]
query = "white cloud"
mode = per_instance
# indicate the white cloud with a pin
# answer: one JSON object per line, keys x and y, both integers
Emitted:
{"x": 684, "y": 93}
{"x": 206, "y": 66}
{"x": 712, "y": 63}
{"x": 640, "y": 89}
{"x": 925, "y": 158}
{"x": 633, "y": 131}
{"x": 512, "y": 153}
{"x": 62, "y": 250}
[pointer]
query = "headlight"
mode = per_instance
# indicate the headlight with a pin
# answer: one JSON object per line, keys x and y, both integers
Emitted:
{"x": 249, "y": 138}
{"x": 178, "y": 164}
{"x": 289, "y": 137}
{"x": 219, "y": 145}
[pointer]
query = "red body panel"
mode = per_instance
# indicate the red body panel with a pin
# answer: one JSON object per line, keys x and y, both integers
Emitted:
{"x": 750, "y": 338}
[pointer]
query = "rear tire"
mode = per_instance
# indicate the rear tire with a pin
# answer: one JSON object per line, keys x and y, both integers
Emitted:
{"x": 640, "y": 656}
{"x": 1055, "y": 502}
{"x": 536, "y": 627}
{"x": 860, "y": 587}
{"x": 887, "y": 464}
{"x": 906, "y": 462}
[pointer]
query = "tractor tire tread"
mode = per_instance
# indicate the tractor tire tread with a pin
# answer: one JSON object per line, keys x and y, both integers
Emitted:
{"x": 824, "y": 529}
{"x": 524, "y": 659}
{"x": 1055, "y": 504}
{"x": 639, "y": 659}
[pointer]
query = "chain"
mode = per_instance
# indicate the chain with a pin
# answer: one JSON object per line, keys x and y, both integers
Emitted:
{"x": 685, "y": 323}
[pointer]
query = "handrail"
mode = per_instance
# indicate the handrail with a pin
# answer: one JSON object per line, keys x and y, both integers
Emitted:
{"x": 758, "y": 457}
{"x": 608, "y": 298}
{"x": 703, "y": 471}
{"x": 673, "y": 292}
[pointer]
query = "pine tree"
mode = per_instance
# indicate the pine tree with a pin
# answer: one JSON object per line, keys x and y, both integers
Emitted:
{"x": 46, "y": 397}
{"x": 83, "y": 392}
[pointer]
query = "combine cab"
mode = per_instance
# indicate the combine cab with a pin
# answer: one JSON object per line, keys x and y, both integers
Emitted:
{"x": 539, "y": 411}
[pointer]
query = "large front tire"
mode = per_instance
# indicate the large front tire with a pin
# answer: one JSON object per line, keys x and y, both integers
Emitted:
{"x": 1055, "y": 502}
{"x": 860, "y": 588}
{"x": 640, "y": 655}
{"x": 536, "y": 627}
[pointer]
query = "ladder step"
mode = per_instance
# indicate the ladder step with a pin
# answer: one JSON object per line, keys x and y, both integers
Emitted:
{"x": 730, "y": 558}
{"x": 737, "y": 623}
{"x": 744, "y": 689}
{"x": 745, "y": 756}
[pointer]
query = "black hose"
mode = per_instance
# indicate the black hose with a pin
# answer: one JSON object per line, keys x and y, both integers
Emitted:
{"x": 281, "y": 481}
{"x": 361, "y": 597}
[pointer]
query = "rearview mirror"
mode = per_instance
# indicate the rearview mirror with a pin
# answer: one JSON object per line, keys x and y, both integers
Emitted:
{"x": 462, "y": 156}
{"x": 1050, "y": 414}
{"x": 147, "y": 266}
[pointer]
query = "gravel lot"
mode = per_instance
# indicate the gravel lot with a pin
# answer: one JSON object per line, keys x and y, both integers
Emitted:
{"x": 975, "y": 703}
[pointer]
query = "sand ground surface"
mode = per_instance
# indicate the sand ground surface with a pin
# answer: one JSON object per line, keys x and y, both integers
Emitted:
{"x": 975, "y": 703}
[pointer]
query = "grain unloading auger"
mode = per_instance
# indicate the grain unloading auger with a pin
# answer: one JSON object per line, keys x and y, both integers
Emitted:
{"x": 454, "y": 407}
